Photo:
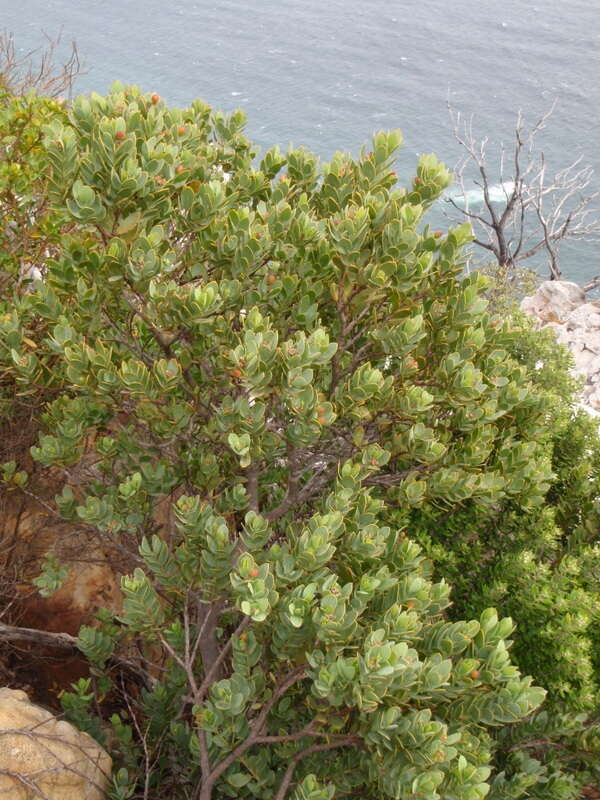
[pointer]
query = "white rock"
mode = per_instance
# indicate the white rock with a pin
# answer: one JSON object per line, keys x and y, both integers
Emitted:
{"x": 591, "y": 338}
{"x": 562, "y": 306}
{"x": 593, "y": 400}
{"x": 583, "y": 360}
{"x": 530, "y": 307}
{"x": 30, "y": 272}
{"x": 579, "y": 339}
{"x": 586, "y": 315}
{"x": 588, "y": 409}
{"x": 593, "y": 371}
{"x": 41, "y": 756}
{"x": 577, "y": 342}
{"x": 553, "y": 301}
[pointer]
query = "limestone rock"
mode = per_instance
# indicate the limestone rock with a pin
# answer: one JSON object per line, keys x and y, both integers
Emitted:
{"x": 592, "y": 341}
{"x": 594, "y": 371}
{"x": 562, "y": 306}
{"x": 592, "y": 400}
{"x": 586, "y": 315}
{"x": 583, "y": 360}
{"x": 41, "y": 756}
{"x": 553, "y": 301}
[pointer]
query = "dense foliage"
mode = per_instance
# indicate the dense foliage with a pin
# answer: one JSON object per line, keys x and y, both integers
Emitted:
{"x": 262, "y": 381}
{"x": 28, "y": 223}
{"x": 542, "y": 567}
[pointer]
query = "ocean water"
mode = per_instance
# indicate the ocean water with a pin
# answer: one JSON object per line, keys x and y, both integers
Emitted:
{"x": 327, "y": 73}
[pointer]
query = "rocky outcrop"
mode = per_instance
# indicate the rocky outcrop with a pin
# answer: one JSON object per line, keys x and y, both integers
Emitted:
{"x": 563, "y": 306}
{"x": 41, "y": 756}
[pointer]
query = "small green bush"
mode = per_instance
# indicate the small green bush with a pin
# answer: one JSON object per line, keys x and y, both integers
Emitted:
{"x": 508, "y": 285}
{"x": 28, "y": 227}
{"x": 542, "y": 567}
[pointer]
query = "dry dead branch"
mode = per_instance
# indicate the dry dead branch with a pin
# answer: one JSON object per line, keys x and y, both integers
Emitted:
{"x": 524, "y": 209}
{"x": 40, "y": 69}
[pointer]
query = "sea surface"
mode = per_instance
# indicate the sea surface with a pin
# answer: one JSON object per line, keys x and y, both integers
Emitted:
{"x": 327, "y": 73}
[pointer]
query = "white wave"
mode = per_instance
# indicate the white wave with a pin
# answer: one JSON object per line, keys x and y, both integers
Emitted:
{"x": 472, "y": 198}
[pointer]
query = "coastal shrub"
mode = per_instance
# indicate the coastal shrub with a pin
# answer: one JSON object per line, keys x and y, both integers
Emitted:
{"x": 507, "y": 285}
{"x": 541, "y": 566}
{"x": 550, "y": 586}
{"x": 28, "y": 225}
{"x": 29, "y": 230}
{"x": 255, "y": 373}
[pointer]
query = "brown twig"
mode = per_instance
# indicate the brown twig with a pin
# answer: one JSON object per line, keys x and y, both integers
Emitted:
{"x": 256, "y": 731}
{"x": 344, "y": 741}
{"x": 38, "y": 69}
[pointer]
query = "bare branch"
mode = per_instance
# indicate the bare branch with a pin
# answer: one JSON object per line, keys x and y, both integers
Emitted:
{"x": 252, "y": 487}
{"x": 593, "y": 284}
{"x": 528, "y": 211}
{"x": 39, "y": 69}
{"x": 212, "y": 672}
{"x": 64, "y": 641}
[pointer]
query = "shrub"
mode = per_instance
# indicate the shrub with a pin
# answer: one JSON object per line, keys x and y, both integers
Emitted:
{"x": 28, "y": 227}
{"x": 541, "y": 566}
{"x": 508, "y": 285}
{"x": 255, "y": 376}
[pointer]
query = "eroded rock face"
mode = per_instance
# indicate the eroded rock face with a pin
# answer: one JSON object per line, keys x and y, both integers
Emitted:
{"x": 563, "y": 306}
{"x": 41, "y": 756}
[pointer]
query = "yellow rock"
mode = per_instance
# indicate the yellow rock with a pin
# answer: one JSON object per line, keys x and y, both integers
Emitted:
{"x": 41, "y": 756}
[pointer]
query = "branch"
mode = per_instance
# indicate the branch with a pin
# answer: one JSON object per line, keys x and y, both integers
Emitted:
{"x": 212, "y": 672}
{"x": 345, "y": 741}
{"x": 465, "y": 212}
{"x": 307, "y": 730}
{"x": 293, "y": 481}
{"x": 20, "y": 74}
{"x": 204, "y": 758}
{"x": 593, "y": 284}
{"x": 252, "y": 487}
{"x": 158, "y": 336}
{"x": 207, "y": 637}
{"x": 256, "y": 729}
{"x": 538, "y": 211}
{"x": 394, "y": 479}
{"x": 295, "y": 676}
{"x": 64, "y": 641}
{"x": 319, "y": 480}
{"x": 485, "y": 245}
